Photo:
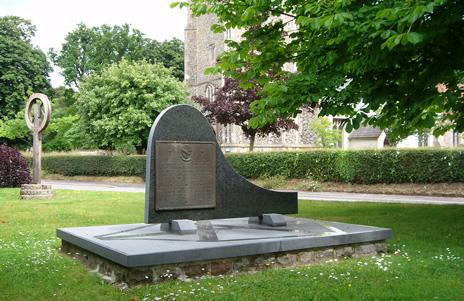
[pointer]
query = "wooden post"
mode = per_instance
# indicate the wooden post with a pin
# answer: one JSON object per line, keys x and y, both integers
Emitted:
{"x": 36, "y": 147}
{"x": 37, "y": 124}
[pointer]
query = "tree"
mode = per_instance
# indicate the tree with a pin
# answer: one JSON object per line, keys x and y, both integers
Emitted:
{"x": 23, "y": 67}
{"x": 86, "y": 50}
{"x": 170, "y": 53}
{"x": 118, "y": 105}
{"x": 326, "y": 135}
{"x": 353, "y": 58}
{"x": 63, "y": 101}
{"x": 231, "y": 105}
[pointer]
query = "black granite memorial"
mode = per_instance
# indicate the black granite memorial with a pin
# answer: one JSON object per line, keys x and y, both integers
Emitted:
{"x": 203, "y": 218}
{"x": 189, "y": 178}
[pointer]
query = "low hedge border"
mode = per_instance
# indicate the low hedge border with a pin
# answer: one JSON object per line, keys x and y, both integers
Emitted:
{"x": 94, "y": 165}
{"x": 357, "y": 166}
{"x": 353, "y": 166}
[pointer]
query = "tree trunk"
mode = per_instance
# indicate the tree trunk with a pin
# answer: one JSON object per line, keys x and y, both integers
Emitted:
{"x": 252, "y": 142}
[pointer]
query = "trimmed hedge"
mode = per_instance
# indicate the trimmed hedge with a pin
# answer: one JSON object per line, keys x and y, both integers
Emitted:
{"x": 75, "y": 165}
{"x": 356, "y": 166}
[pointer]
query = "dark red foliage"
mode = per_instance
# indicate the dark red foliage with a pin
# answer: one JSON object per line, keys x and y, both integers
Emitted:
{"x": 14, "y": 169}
{"x": 232, "y": 106}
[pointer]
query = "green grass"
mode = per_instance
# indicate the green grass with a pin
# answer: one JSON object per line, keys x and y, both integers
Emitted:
{"x": 425, "y": 259}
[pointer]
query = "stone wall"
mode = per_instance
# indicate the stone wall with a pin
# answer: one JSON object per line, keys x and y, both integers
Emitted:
{"x": 202, "y": 48}
{"x": 115, "y": 273}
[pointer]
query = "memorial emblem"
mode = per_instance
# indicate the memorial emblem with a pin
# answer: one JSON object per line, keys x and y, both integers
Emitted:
{"x": 186, "y": 153}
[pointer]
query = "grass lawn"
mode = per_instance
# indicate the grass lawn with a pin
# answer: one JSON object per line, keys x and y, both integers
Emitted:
{"x": 425, "y": 259}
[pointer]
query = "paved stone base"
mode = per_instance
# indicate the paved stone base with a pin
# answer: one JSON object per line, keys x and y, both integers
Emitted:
{"x": 134, "y": 253}
{"x": 115, "y": 273}
{"x": 36, "y": 191}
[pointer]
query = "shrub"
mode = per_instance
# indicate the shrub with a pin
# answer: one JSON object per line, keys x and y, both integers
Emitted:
{"x": 356, "y": 166}
{"x": 318, "y": 164}
{"x": 117, "y": 106}
{"x": 14, "y": 169}
{"x": 77, "y": 165}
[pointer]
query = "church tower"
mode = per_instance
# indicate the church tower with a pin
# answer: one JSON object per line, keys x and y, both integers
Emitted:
{"x": 202, "y": 48}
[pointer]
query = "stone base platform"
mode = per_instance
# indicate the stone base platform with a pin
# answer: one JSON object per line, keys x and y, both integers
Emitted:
{"x": 142, "y": 253}
{"x": 35, "y": 191}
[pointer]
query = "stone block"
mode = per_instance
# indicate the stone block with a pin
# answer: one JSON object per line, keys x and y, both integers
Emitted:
{"x": 344, "y": 252}
{"x": 180, "y": 226}
{"x": 381, "y": 247}
{"x": 324, "y": 255}
{"x": 221, "y": 267}
{"x": 196, "y": 269}
{"x": 274, "y": 220}
{"x": 35, "y": 191}
{"x": 306, "y": 257}
{"x": 37, "y": 197}
{"x": 240, "y": 264}
{"x": 287, "y": 260}
{"x": 36, "y": 186}
{"x": 365, "y": 250}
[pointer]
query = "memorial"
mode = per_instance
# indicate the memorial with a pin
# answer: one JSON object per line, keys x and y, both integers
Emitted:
{"x": 202, "y": 218}
{"x": 37, "y": 115}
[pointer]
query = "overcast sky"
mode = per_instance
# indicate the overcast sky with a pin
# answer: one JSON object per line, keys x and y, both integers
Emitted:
{"x": 55, "y": 18}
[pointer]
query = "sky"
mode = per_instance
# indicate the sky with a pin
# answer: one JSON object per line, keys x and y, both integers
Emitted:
{"x": 54, "y": 19}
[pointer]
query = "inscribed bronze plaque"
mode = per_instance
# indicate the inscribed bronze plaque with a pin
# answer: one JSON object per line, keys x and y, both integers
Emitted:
{"x": 185, "y": 175}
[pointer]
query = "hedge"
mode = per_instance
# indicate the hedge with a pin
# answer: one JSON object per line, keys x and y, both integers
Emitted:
{"x": 356, "y": 166}
{"x": 76, "y": 165}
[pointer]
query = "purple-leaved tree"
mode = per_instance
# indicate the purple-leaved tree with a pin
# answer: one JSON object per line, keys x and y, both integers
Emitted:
{"x": 231, "y": 105}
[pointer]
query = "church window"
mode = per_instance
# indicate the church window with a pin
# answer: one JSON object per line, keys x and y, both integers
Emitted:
{"x": 212, "y": 53}
{"x": 209, "y": 92}
{"x": 228, "y": 133}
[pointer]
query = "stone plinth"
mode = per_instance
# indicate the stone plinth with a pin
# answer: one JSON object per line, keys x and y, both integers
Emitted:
{"x": 144, "y": 252}
{"x": 115, "y": 273}
{"x": 36, "y": 191}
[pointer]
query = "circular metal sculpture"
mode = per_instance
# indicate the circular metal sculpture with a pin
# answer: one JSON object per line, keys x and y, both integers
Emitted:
{"x": 38, "y": 113}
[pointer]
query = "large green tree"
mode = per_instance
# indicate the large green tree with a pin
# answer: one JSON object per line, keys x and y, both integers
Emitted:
{"x": 23, "y": 67}
{"x": 89, "y": 49}
{"x": 170, "y": 53}
{"x": 402, "y": 60}
{"x": 118, "y": 105}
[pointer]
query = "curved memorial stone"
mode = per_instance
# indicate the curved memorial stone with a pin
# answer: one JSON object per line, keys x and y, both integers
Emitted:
{"x": 187, "y": 176}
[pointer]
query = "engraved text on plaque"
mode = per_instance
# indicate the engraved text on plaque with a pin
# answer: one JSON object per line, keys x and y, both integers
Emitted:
{"x": 185, "y": 175}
